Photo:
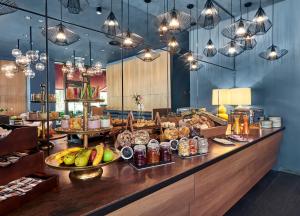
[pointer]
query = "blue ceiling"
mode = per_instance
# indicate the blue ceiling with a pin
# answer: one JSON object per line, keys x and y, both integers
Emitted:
{"x": 15, "y": 26}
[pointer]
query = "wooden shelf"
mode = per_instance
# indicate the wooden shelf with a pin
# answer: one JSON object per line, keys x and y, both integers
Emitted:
{"x": 85, "y": 100}
{"x": 88, "y": 132}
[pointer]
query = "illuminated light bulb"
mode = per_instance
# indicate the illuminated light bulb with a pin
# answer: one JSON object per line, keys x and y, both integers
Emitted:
{"x": 28, "y": 72}
{"x": 33, "y": 55}
{"x": 208, "y": 11}
{"x": 210, "y": 46}
{"x": 194, "y": 66}
{"x": 98, "y": 65}
{"x": 273, "y": 54}
{"x": 61, "y": 36}
{"x": 260, "y": 19}
{"x": 16, "y": 52}
{"x": 40, "y": 66}
{"x": 148, "y": 55}
{"x": 174, "y": 23}
{"x": 128, "y": 41}
{"x": 43, "y": 57}
{"x": 22, "y": 60}
{"x": 231, "y": 50}
{"x": 190, "y": 57}
{"x": 9, "y": 74}
{"x": 111, "y": 23}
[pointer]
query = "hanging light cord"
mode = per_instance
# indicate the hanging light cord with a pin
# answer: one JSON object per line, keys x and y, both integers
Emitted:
{"x": 128, "y": 15}
{"x": 147, "y": 19}
{"x": 111, "y": 5}
{"x": 30, "y": 37}
{"x": 60, "y": 11}
{"x": 174, "y": 4}
{"x": 74, "y": 58}
{"x": 241, "y": 9}
{"x": 273, "y": 22}
{"x": 18, "y": 43}
{"x": 231, "y": 11}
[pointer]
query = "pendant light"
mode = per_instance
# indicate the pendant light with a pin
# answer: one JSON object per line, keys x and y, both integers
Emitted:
{"x": 195, "y": 65}
{"x": 130, "y": 40}
{"x": 111, "y": 25}
{"x": 273, "y": 52}
{"x": 29, "y": 72}
{"x": 190, "y": 56}
{"x": 239, "y": 28}
{"x": 261, "y": 21}
{"x": 60, "y": 34}
{"x": 148, "y": 54}
{"x": 248, "y": 42}
{"x": 31, "y": 54}
{"x": 209, "y": 17}
{"x": 17, "y": 52}
{"x": 6, "y": 9}
{"x": 210, "y": 49}
{"x": 232, "y": 48}
{"x": 75, "y": 6}
{"x": 43, "y": 57}
{"x": 173, "y": 45}
{"x": 163, "y": 27}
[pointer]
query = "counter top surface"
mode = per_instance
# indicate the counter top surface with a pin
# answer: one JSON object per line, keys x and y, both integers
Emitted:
{"x": 121, "y": 184}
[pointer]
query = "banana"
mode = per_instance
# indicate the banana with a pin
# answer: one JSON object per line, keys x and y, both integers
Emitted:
{"x": 100, "y": 151}
{"x": 59, "y": 156}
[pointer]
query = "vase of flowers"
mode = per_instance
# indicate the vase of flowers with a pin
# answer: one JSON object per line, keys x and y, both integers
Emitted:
{"x": 138, "y": 100}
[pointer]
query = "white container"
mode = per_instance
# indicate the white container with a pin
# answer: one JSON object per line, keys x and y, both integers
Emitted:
{"x": 105, "y": 123}
{"x": 93, "y": 124}
{"x": 277, "y": 122}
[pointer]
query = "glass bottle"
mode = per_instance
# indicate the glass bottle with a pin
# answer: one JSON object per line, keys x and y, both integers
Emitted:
{"x": 140, "y": 155}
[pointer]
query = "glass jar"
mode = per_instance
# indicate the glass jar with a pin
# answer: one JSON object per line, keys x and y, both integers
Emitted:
{"x": 184, "y": 147}
{"x": 165, "y": 152}
{"x": 140, "y": 155}
{"x": 193, "y": 144}
{"x": 202, "y": 145}
{"x": 153, "y": 152}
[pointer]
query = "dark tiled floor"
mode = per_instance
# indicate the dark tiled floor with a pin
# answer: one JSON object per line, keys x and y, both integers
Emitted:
{"x": 277, "y": 194}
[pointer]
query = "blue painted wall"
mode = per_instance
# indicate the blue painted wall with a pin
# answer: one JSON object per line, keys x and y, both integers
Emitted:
{"x": 275, "y": 84}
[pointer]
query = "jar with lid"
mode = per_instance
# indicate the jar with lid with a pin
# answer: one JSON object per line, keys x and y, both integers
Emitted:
{"x": 153, "y": 152}
{"x": 140, "y": 155}
{"x": 165, "y": 152}
{"x": 184, "y": 147}
{"x": 202, "y": 145}
{"x": 65, "y": 122}
{"x": 193, "y": 144}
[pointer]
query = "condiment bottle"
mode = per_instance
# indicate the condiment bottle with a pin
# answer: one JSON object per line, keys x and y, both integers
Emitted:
{"x": 165, "y": 152}
{"x": 153, "y": 152}
{"x": 140, "y": 155}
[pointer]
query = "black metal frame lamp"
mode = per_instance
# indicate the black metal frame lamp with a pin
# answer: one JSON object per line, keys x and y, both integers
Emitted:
{"x": 209, "y": 17}
{"x": 75, "y": 6}
{"x": 273, "y": 52}
{"x": 5, "y": 9}
{"x": 210, "y": 50}
{"x": 148, "y": 54}
{"x": 111, "y": 25}
{"x": 261, "y": 21}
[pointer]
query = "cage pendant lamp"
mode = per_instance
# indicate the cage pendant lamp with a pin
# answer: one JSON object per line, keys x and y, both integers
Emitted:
{"x": 273, "y": 52}
{"x": 75, "y": 6}
{"x": 210, "y": 50}
{"x": 261, "y": 21}
{"x": 209, "y": 17}
{"x": 6, "y": 9}
{"x": 129, "y": 40}
{"x": 163, "y": 26}
{"x": 240, "y": 28}
{"x": 60, "y": 34}
{"x": 111, "y": 25}
{"x": 148, "y": 54}
{"x": 248, "y": 42}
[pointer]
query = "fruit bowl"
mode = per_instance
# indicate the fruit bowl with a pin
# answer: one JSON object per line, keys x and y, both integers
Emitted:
{"x": 81, "y": 172}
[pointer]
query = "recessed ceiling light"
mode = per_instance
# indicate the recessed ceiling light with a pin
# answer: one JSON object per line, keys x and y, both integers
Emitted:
{"x": 41, "y": 20}
{"x": 28, "y": 17}
{"x": 99, "y": 10}
{"x": 102, "y": 50}
{"x": 86, "y": 34}
{"x": 66, "y": 48}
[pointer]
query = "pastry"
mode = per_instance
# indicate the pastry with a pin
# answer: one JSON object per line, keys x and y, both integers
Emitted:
{"x": 184, "y": 132}
{"x": 171, "y": 134}
{"x": 141, "y": 137}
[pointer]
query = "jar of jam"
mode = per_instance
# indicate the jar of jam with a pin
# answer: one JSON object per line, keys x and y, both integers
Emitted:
{"x": 184, "y": 147}
{"x": 165, "y": 152}
{"x": 140, "y": 155}
{"x": 193, "y": 144}
{"x": 202, "y": 145}
{"x": 153, "y": 152}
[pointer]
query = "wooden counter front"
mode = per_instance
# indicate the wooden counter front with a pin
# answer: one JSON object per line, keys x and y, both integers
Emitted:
{"x": 207, "y": 185}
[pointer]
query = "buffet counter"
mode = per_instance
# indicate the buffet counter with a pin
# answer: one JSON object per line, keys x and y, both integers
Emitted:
{"x": 204, "y": 185}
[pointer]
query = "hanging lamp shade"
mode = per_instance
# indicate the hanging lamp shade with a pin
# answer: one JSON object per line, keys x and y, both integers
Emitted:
{"x": 209, "y": 17}
{"x": 75, "y": 6}
{"x": 129, "y": 40}
{"x": 195, "y": 66}
{"x": 248, "y": 42}
{"x": 261, "y": 22}
{"x": 61, "y": 35}
{"x": 5, "y": 9}
{"x": 210, "y": 49}
{"x": 273, "y": 53}
{"x": 231, "y": 49}
{"x": 239, "y": 29}
{"x": 148, "y": 55}
{"x": 173, "y": 45}
{"x": 111, "y": 26}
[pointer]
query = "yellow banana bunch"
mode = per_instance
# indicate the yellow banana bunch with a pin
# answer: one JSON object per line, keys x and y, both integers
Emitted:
{"x": 59, "y": 157}
{"x": 99, "y": 155}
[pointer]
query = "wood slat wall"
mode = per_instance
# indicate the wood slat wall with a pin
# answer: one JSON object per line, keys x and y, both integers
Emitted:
{"x": 12, "y": 92}
{"x": 149, "y": 79}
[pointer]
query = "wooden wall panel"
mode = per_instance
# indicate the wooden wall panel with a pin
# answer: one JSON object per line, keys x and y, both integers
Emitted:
{"x": 149, "y": 79}
{"x": 12, "y": 92}
{"x": 172, "y": 200}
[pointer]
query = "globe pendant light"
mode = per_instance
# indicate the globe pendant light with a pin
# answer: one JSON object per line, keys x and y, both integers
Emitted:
{"x": 148, "y": 54}
{"x": 31, "y": 54}
{"x": 111, "y": 25}
{"x": 22, "y": 61}
{"x": 261, "y": 21}
{"x": 273, "y": 52}
{"x": 239, "y": 28}
{"x": 17, "y": 52}
{"x": 60, "y": 34}
{"x": 248, "y": 42}
{"x": 130, "y": 40}
{"x": 209, "y": 17}
{"x": 39, "y": 66}
{"x": 43, "y": 57}
{"x": 75, "y": 6}
{"x": 29, "y": 72}
{"x": 6, "y": 9}
{"x": 210, "y": 49}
